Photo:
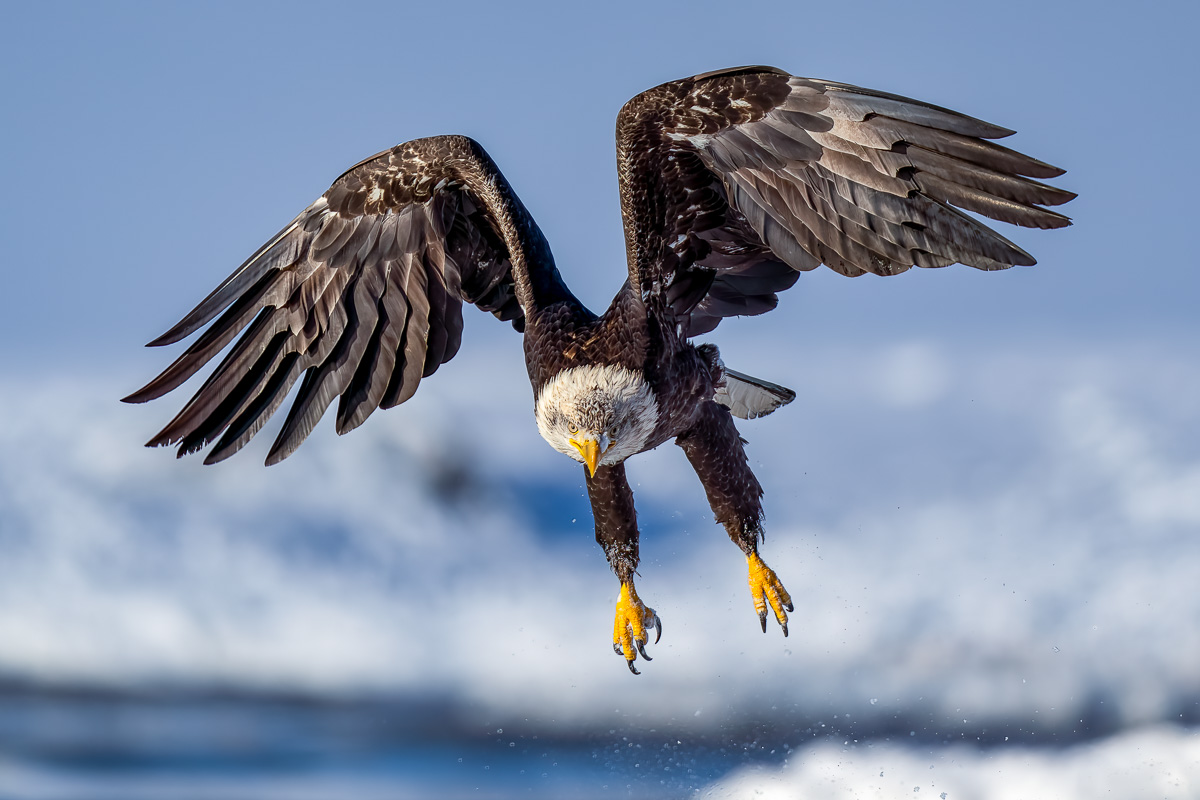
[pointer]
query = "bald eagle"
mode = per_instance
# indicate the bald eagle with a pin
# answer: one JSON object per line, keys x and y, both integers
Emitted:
{"x": 731, "y": 182}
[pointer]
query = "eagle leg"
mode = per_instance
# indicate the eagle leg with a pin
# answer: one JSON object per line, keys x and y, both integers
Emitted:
{"x": 766, "y": 588}
{"x": 718, "y": 455}
{"x": 631, "y": 628}
{"x": 617, "y": 533}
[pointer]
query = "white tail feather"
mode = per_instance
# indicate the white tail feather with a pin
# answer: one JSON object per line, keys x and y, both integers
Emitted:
{"x": 751, "y": 398}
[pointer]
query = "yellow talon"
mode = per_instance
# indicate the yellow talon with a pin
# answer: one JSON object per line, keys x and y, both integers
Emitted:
{"x": 633, "y": 619}
{"x": 765, "y": 588}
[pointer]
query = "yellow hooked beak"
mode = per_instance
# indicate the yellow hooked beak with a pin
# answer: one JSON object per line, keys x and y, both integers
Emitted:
{"x": 590, "y": 450}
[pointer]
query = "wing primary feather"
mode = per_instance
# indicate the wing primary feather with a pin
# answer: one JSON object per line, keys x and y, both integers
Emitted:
{"x": 237, "y": 362}
{"x": 254, "y": 404}
{"x": 224, "y": 385}
{"x": 335, "y": 370}
{"x": 864, "y": 172}
{"x": 997, "y": 184}
{"x": 281, "y": 251}
{"x": 976, "y": 151}
{"x": 834, "y": 248}
{"x": 321, "y": 384}
{"x": 408, "y": 370}
{"x": 202, "y": 429}
{"x": 856, "y": 104}
{"x": 211, "y": 342}
{"x": 366, "y": 389}
{"x": 437, "y": 337}
{"x": 981, "y": 202}
{"x": 250, "y": 421}
{"x": 930, "y": 225}
{"x": 302, "y": 417}
{"x": 820, "y": 196}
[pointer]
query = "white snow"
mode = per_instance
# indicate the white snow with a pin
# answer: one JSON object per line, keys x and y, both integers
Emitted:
{"x": 1156, "y": 763}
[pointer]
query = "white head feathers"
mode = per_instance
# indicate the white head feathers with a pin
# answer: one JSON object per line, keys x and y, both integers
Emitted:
{"x": 609, "y": 403}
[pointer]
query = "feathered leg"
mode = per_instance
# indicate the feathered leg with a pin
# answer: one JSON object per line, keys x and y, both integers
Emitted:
{"x": 617, "y": 533}
{"x": 716, "y": 452}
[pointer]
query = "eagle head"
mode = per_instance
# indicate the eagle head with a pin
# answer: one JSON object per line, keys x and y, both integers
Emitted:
{"x": 598, "y": 414}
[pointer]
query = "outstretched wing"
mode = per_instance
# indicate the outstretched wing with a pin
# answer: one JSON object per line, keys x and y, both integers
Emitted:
{"x": 361, "y": 294}
{"x": 733, "y": 181}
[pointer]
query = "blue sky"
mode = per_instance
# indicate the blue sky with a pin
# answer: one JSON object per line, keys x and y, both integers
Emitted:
{"x": 151, "y": 146}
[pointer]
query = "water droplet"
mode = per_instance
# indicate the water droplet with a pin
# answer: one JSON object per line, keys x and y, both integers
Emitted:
{"x": 1056, "y": 649}
{"x": 874, "y": 700}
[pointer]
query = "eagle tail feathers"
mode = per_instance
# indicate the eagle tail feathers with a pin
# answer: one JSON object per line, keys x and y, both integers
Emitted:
{"x": 747, "y": 397}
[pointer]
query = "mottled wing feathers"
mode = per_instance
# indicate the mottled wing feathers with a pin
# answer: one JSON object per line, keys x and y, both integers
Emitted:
{"x": 732, "y": 182}
{"x": 361, "y": 295}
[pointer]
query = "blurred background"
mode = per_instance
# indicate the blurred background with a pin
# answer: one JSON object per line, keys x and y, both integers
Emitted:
{"x": 985, "y": 499}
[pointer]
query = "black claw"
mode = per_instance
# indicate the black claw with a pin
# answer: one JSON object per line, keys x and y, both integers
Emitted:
{"x": 657, "y": 628}
{"x": 790, "y": 608}
{"x": 641, "y": 648}
{"x": 784, "y": 625}
{"x": 617, "y": 648}
{"x": 762, "y": 620}
{"x": 632, "y": 668}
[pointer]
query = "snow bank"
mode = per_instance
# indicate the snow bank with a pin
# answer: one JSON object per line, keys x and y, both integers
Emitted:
{"x": 1158, "y": 763}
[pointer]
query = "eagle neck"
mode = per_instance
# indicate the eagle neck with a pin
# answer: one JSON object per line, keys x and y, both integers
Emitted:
{"x": 535, "y": 277}
{"x": 564, "y": 336}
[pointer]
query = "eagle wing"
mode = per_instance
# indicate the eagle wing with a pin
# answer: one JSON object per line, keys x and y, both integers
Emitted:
{"x": 361, "y": 294}
{"x": 732, "y": 182}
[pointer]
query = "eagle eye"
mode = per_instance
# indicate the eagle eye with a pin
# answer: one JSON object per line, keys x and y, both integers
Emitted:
{"x": 572, "y": 427}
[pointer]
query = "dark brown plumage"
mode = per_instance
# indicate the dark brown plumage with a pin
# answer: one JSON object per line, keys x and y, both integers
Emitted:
{"x": 732, "y": 183}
